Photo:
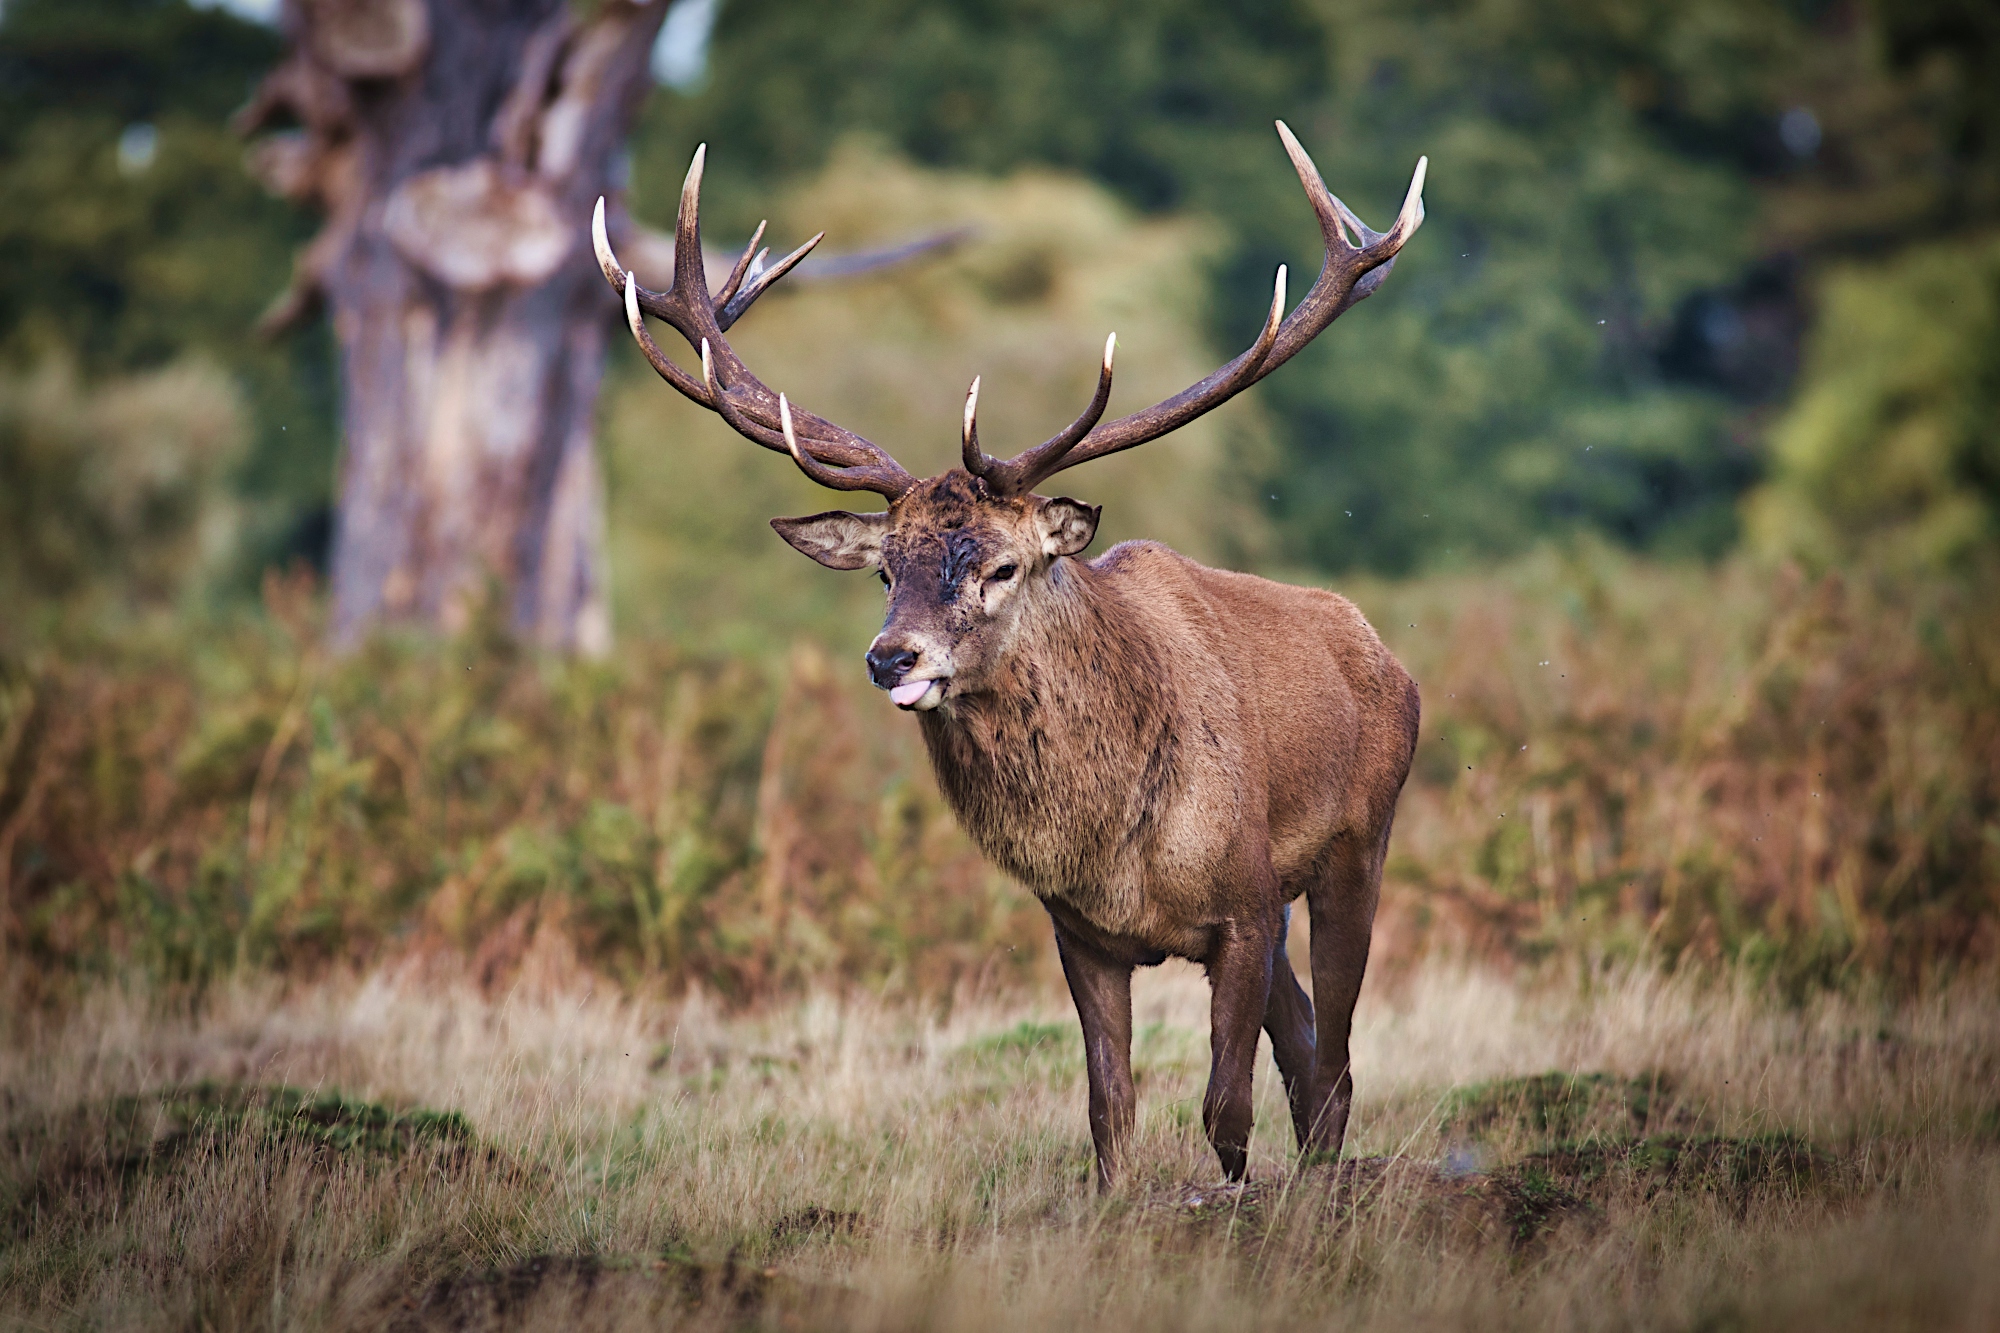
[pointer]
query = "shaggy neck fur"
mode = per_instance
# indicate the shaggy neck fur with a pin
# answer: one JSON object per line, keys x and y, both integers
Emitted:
{"x": 1040, "y": 765}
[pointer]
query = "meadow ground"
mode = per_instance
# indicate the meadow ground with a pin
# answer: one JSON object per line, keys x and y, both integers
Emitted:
{"x": 1718, "y": 850}
{"x": 1589, "y": 1149}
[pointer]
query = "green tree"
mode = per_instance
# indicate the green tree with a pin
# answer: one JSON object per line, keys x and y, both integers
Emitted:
{"x": 130, "y": 235}
{"x": 1586, "y": 181}
{"x": 1950, "y": 49}
{"x": 1892, "y": 448}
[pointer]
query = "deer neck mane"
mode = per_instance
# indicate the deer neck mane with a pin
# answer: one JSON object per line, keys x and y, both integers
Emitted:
{"x": 1073, "y": 660}
{"x": 1037, "y": 765}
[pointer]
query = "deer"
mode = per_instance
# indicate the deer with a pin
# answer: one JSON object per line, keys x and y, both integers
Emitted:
{"x": 1168, "y": 756}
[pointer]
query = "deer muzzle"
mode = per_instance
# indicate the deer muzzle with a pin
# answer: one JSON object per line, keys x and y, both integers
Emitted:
{"x": 900, "y": 669}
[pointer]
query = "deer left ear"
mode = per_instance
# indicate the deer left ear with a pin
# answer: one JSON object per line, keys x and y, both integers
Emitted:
{"x": 1067, "y": 525}
{"x": 837, "y": 539}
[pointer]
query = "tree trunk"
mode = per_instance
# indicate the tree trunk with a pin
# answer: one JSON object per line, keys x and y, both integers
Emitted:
{"x": 457, "y": 147}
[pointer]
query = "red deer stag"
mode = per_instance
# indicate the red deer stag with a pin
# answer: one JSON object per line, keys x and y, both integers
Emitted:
{"x": 1168, "y": 755}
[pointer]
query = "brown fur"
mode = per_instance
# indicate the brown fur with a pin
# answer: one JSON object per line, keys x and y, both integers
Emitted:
{"x": 1168, "y": 755}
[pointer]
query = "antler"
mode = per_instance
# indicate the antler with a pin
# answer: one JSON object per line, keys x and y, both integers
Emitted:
{"x": 830, "y": 454}
{"x": 1350, "y": 273}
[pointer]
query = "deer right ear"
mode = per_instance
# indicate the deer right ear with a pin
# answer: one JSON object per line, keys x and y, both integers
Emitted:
{"x": 837, "y": 539}
{"x": 1067, "y": 525}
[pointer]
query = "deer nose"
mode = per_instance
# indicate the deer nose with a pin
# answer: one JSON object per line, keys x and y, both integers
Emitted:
{"x": 888, "y": 665}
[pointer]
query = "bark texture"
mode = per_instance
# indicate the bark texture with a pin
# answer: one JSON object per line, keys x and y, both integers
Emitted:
{"x": 456, "y": 148}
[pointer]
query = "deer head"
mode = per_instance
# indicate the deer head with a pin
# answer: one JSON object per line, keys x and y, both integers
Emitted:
{"x": 967, "y": 554}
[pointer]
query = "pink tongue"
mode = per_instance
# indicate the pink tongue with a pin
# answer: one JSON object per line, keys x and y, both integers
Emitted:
{"x": 909, "y": 692}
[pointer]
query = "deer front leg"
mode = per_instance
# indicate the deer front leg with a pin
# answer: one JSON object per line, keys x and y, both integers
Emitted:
{"x": 1102, "y": 989}
{"x": 1239, "y": 978}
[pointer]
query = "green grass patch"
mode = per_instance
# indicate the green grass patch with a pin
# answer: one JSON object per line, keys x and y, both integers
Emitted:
{"x": 1562, "y": 1106}
{"x": 163, "y": 1123}
{"x": 1026, "y": 1040}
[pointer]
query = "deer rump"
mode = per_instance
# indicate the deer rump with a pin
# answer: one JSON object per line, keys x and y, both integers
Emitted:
{"x": 1168, "y": 755}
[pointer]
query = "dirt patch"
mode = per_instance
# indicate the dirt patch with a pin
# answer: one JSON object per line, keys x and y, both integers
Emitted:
{"x": 98, "y": 1148}
{"x": 1736, "y": 1169}
{"x": 1524, "y": 1201}
{"x": 547, "y": 1289}
{"x": 808, "y": 1223}
{"x": 1444, "y": 1198}
{"x": 1533, "y": 1196}
{"x": 495, "y": 1297}
{"x": 1566, "y": 1107}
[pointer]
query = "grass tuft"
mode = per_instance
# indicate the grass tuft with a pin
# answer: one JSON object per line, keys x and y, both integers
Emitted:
{"x": 1562, "y": 1106}
{"x": 904, "y": 1168}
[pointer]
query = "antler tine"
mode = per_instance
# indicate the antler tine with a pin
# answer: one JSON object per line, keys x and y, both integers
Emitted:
{"x": 690, "y": 274}
{"x": 1373, "y": 258}
{"x": 1020, "y": 474}
{"x": 1039, "y": 464}
{"x": 728, "y": 312}
{"x": 637, "y": 299}
{"x": 863, "y": 478}
{"x": 978, "y": 463}
{"x": 689, "y": 308}
{"x": 742, "y": 266}
{"x": 1349, "y": 273}
{"x": 727, "y": 386}
{"x": 885, "y": 477}
{"x": 1330, "y": 211}
{"x": 1407, "y": 221}
{"x": 628, "y": 286}
{"x": 1412, "y": 215}
{"x": 600, "y": 241}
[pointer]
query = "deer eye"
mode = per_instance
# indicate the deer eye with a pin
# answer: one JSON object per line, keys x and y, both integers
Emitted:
{"x": 883, "y": 575}
{"x": 1005, "y": 572}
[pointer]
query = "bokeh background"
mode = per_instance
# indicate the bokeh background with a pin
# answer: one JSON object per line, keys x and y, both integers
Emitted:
{"x": 1668, "y": 460}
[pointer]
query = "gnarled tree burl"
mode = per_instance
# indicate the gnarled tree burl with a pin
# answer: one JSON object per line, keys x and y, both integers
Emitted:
{"x": 1167, "y": 755}
{"x": 454, "y": 146}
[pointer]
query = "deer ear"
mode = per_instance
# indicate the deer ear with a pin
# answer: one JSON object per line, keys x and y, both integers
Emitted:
{"x": 1067, "y": 525}
{"x": 837, "y": 539}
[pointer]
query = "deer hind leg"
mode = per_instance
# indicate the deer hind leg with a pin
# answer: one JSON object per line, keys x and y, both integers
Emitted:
{"x": 1288, "y": 1017}
{"x": 1342, "y": 906}
{"x": 1239, "y": 976}
{"x": 1102, "y": 989}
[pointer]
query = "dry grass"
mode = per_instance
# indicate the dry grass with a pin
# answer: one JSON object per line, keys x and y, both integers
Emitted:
{"x": 1743, "y": 762}
{"x": 300, "y": 1025}
{"x": 854, "y": 1163}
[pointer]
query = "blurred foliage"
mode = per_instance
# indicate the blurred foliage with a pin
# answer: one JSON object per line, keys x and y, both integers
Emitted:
{"x": 1798, "y": 774}
{"x": 113, "y": 494}
{"x": 1587, "y": 180}
{"x": 1056, "y": 264}
{"x": 1141, "y": 94}
{"x": 195, "y": 802}
{"x": 1893, "y": 445}
{"x": 1630, "y": 200}
{"x": 1890, "y": 447}
{"x": 1887, "y": 133}
{"x": 133, "y": 60}
{"x": 1952, "y": 47}
{"x": 131, "y": 236}
{"x": 1636, "y": 211}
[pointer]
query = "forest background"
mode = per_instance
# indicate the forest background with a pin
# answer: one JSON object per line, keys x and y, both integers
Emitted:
{"x": 1667, "y": 460}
